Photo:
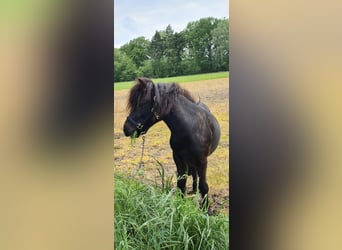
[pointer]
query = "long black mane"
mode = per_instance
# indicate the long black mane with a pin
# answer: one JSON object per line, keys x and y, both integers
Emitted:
{"x": 165, "y": 93}
{"x": 139, "y": 95}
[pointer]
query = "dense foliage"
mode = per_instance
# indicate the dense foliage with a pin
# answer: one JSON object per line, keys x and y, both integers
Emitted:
{"x": 202, "y": 47}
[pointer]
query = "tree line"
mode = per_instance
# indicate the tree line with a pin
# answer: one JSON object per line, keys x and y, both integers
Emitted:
{"x": 202, "y": 47}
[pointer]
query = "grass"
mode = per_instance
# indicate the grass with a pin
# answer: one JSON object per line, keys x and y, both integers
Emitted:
{"x": 145, "y": 217}
{"x": 179, "y": 79}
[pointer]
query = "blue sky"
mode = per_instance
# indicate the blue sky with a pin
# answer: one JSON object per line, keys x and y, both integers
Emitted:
{"x": 134, "y": 18}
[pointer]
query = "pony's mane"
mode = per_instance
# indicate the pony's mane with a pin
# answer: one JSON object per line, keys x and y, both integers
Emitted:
{"x": 173, "y": 90}
{"x": 165, "y": 95}
{"x": 139, "y": 94}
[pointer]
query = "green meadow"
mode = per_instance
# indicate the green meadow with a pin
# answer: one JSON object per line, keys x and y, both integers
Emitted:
{"x": 178, "y": 79}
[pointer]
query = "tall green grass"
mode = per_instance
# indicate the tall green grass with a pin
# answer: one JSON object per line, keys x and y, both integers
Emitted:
{"x": 147, "y": 218}
{"x": 179, "y": 79}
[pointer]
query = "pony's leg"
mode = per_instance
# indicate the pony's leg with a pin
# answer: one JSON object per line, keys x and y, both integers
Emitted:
{"x": 194, "y": 180}
{"x": 203, "y": 185}
{"x": 181, "y": 173}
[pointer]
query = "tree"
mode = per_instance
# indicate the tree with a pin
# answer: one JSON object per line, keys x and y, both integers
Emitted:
{"x": 146, "y": 69}
{"x": 138, "y": 50}
{"x": 157, "y": 55}
{"x": 124, "y": 68}
{"x": 179, "y": 52}
{"x": 199, "y": 43}
{"x": 170, "y": 51}
{"x": 220, "y": 41}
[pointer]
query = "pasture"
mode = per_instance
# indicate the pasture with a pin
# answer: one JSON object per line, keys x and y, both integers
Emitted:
{"x": 157, "y": 152}
{"x": 178, "y": 79}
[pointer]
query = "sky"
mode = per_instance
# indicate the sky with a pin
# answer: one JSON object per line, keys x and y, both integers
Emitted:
{"x": 134, "y": 18}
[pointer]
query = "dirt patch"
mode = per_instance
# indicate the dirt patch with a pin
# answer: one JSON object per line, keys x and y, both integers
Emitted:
{"x": 214, "y": 93}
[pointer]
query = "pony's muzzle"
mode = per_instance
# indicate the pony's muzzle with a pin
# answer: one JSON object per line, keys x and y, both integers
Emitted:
{"x": 128, "y": 129}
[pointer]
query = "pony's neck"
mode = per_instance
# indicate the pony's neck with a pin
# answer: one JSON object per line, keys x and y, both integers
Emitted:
{"x": 178, "y": 115}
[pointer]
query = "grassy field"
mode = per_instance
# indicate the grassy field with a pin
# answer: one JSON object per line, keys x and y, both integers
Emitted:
{"x": 179, "y": 79}
{"x": 147, "y": 218}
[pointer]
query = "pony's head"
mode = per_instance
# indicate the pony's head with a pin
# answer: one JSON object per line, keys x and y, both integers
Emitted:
{"x": 141, "y": 106}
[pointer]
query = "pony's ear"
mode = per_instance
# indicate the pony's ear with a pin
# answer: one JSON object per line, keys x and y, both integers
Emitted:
{"x": 143, "y": 81}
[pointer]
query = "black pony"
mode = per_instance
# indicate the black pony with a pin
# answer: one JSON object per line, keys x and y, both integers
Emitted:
{"x": 195, "y": 132}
